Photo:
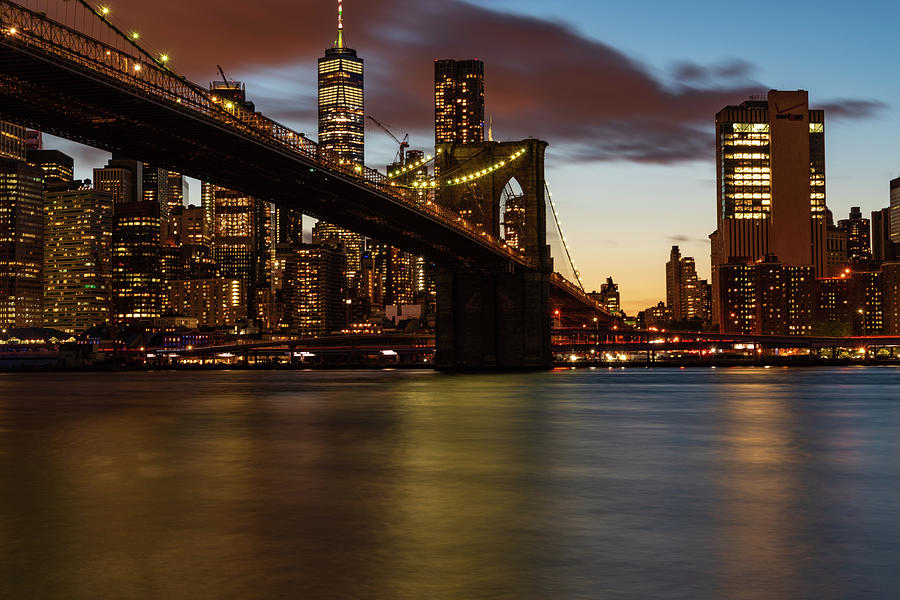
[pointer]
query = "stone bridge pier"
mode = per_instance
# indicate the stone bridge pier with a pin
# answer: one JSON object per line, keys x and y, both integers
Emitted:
{"x": 496, "y": 316}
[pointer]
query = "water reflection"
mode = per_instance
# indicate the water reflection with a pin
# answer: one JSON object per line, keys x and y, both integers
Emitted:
{"x": 574, "y": 484}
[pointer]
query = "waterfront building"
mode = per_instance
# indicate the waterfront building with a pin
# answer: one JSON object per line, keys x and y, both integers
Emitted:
{"x": 890, "y": 289}
{"x": 57, "y": 167}
{"x": 867, "y": 302}
{"x": 78, "y": 233}
{"x": 833, "y": 313}
{"x": 213, "y": 302}
{"x": 12, "y": 141}
{"x": 883, "y": 247}
{"x": 21, "y": 239}
{"x": 656, "y": 316}
{"x": 767, "y": 297}
{"x": 314, "y": 290}
{"x": 458, "y": 101}
{"x": 770, "y": 171}
{"x": 137, "y": 279}
{"x": 857, "y": 228}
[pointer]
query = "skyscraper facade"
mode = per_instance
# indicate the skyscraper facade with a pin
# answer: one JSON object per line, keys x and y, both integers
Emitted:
{"x": 137, "y": 279}
{"x": 78, "y": 224}
{"x": 767, "y": 298}
{"x": 341, "y": 107}
{"x": 458, "y": 101}
{"x": 685, "y": 293}
{"x": 770, "y": 172}
{"x": 314, "y": 290}
{"x": 21, "y": 244}
{"x": 341, "y": 130}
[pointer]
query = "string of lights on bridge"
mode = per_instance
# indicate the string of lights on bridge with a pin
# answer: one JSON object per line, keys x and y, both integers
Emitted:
{"x": 433, "y": 183}
{"x": 487, "y": 171}
{"x": 412, "y": 166}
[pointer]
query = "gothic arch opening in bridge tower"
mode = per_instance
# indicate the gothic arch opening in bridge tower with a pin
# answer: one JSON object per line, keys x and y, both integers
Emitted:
{"x": 512, "y": 214}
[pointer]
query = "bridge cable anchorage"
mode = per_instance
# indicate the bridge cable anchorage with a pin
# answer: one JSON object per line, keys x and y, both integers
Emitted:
{"x": 486, "y": 171}
{"x": 562, "y": 237}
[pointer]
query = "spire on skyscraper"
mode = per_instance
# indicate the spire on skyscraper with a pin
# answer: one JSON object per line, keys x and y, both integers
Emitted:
{"x": 340, "y": 38}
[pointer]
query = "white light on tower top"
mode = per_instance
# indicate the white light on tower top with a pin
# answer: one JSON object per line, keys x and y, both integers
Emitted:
{"x": 340, "y": 40}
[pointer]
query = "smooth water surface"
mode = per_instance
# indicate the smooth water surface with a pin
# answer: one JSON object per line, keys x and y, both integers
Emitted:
{"x": 729, "y": 483}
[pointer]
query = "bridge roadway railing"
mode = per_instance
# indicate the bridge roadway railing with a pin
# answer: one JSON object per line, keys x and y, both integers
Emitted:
{"x": 575, "y": 291}
{"x": 24, "y": 27}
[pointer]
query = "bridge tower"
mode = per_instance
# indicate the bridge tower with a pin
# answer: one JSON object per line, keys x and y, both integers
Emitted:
{"x": 492, "y": 316}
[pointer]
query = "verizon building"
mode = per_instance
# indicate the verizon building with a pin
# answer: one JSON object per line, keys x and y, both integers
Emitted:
{"x": 770, "y": 175}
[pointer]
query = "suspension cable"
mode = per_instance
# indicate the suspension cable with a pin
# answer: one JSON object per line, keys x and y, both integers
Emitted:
{"x": 562, "y": 237}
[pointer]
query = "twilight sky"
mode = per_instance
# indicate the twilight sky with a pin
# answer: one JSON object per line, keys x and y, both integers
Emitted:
{"x": 625, "y": 93}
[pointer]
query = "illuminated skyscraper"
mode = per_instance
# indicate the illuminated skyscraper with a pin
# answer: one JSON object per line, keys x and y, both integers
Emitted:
{"x": 137, "y": 277}
{"x": 341, "y": 130}
{"x": 21, "y": 244}
{"x": 78, "y": 225}
{"x": 240, "y": 252}
{"x": 458, "y": 101}
{"x": 341, "y": 107}
{"x": 770, "y": 171}
{"x": 314, "y": 290}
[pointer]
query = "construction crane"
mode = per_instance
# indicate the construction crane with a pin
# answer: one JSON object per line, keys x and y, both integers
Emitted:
{"x": 401, "y": 154}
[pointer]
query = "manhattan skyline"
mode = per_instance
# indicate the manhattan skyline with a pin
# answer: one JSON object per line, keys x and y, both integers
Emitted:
{"x": 639, "y": 140}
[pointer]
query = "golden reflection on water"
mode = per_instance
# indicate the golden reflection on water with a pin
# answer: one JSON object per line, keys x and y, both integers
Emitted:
{"x": 762, "y": 512}
{"x": 409, "y": 486}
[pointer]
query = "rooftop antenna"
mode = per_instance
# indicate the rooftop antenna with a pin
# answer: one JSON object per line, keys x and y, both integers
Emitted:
{"x": 340, "y": 39}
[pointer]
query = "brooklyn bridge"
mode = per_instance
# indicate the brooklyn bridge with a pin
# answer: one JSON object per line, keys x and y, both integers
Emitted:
{"x": 72, "y": 73}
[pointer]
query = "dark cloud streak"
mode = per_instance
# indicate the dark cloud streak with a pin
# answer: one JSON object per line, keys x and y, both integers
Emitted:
{"x": 543, "y": 78}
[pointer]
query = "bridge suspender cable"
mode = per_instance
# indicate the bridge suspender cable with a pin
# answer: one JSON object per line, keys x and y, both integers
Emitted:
{"x": 562, "y": 237}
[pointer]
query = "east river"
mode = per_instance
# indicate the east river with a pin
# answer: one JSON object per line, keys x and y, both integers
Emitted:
{"x": 738, "y": 483}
